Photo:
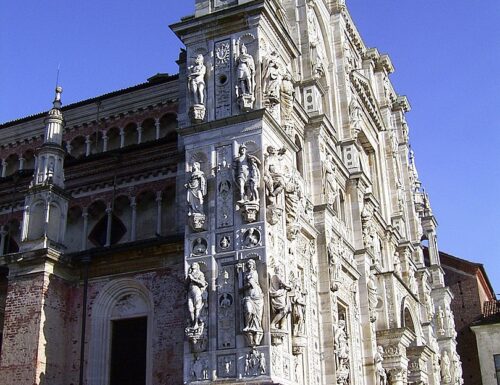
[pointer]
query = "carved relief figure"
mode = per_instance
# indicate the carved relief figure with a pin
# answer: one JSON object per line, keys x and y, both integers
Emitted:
{"x": 335, "y": 265}
{"x": 445, "y": 367}
{"x": 253, "y": 304}
{"x": 247, "y": 175}
{"x": 372, "y": 296}
{"x": 315, "y": 41}
{"x": 272, "y": 79}
{"x": 341, "y": 347}
{"x": 397, "y": 264}
{"x": 331, "y": 188}
{"x": 255, "y": 363}
{"x": 440, "y": 320}
{"x": 381, "y": 375}
{"x": 196, "y": 287}
{"x": 273, "y": 177}
{"x": 293, "y": 198}
{"x": 196, "y": 80}
{"x": 355, "y": 118}
{"x": 196, "y": 191}
{"x": 279, "y": 299}
{"x": 245, "y": 75}
{"x": 369, "y": 233}
{"x": 251, "y": 238}
{"x": 299, "y": 312}
{"x": 287, "y": 96}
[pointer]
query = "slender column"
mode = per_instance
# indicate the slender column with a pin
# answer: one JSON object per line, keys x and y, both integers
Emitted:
{"x": 133, "y": 206}
{"x": 122, "y": 138}
{"x": 88, "y": 142}
{"x": 21, "y": 164}
{"x": 3, "y": 234}
{"x": 158, "y": 212}
{"x": 139, "y": 134}
{"x": 157, "y": 126}
{"x": 104, "y": 141}
{"x": 109, "y": 212}
{"x": 4, "y": 168}
{"x": 85, "y": 216}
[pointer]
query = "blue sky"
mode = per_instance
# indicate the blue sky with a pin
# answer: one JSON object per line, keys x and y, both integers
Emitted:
{"x": 446, "y": 54}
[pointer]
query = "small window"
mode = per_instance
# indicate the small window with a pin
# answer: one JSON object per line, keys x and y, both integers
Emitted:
{"x": 496, "y": 357}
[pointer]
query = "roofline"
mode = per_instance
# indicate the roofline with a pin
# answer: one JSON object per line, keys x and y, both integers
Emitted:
{"x": 479, "y": 266}
{"x": 153, "y": 81}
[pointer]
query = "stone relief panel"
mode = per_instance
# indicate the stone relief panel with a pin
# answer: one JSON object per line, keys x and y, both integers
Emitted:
{"x": 223, "y": 79}
{"x": 225, "y": 205}
{"x": 226, "y": 307}
{"x": 226, "y": 366}
{"x": 199, "y": 370}
{"x": 224, "y": 242}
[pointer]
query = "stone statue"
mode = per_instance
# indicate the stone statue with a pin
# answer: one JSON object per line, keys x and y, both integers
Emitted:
{"x": 253, "y": 304}
{"x": 369, "y": 232}
{"x": 299, "y": 312}
{"x": 397, "y": 264}
{"x": 196, "y": 87}
{"x": 293, "y": 199}
{"x": 372, "y": 296}
{"x": 273, "y": 177}
{"x": 245, "y": 75}
{"x": 401, "y": 196}
{"x": 255, "y": 363}
{"x": 196, "y": 190}
{"x": 331, "y": 187}
{"x": 196, "y": 80}
{"x": 196, "y": 287}
{"x": 381, "y": 375}
{"x": 279, "y": 299}
{"x": 355, "y": 118}
{"x": 440, "y": 320}
{"x": 247, "y": 175}
{"x": 315, "y": 42}
{"x": 445, "y": 368}
{"x": 287, "y": 97}
{"x": 335, "y": 265}
{"x": 272, "y": 79}
{"x": 341, "y": 346}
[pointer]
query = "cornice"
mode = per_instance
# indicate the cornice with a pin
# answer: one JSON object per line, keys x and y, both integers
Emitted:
{"x": 367, "y": 96}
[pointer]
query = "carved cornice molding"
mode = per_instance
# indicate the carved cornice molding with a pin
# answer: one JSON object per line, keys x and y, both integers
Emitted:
{"x": 367, "y": 96}
{"x": 401, "y": 103}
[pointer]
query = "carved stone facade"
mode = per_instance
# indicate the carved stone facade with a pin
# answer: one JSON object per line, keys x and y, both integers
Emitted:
{"x": 268, "y": 219}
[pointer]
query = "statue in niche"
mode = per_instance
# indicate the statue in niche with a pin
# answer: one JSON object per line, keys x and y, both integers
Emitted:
{"x": 401, "y": 196}
{"x": 197, "y": 285}
{"x": 299, "y": 312}
{"x": 253, "y": 304}
{"x": 196, "y": 191}
{"x": 341, "y": 349}
{"x": 199, "y": 246}
{"x": 335, "y": 265}
{"x": 457, "y": 369}
{"x": 355, "y": 119}
{"x": 397, "y": 264}
{"x": 440, "y": 320}
{"x": 381, "y": 375}
{"x": 247, "y": 177}
{"x": 196, "y": 86}
{"x": 369, "y": 233}
{"x": 293, "y": 199}
{"x": 315, "y": 41}
{"x": 372, "y": 295}
{"x": 272, "y": 79}
{"x": 278, "y": 290}
{"x": 287, "y": 96}
{"x": 331, "y": 189}
{"x": 245, "y": 75}
{"x": 273, "y": 177}
{"x": 445, "y": 367}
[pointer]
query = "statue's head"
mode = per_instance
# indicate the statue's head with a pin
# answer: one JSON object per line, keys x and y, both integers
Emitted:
{"x": 195, "y": 266}
{"x": 250, "y": 264}
{"x": 271, "y": 150}
{"x": 242, "y": 149}
{"x": 199, "y": 59}
{"x": 196, "y": 166}
{"x": 243, "y": 49}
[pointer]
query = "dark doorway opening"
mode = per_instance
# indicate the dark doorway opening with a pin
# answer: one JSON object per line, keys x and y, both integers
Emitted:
{"x": 128, "y": 351}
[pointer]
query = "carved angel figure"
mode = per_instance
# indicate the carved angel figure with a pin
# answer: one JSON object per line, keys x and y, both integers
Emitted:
{"x": 196, "y": 190}
{"x": 196, "y": 80}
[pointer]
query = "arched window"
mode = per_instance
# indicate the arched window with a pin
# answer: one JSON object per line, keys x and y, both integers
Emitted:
{"x": 122, "y": 315}
{"x": 168, "y": 127}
